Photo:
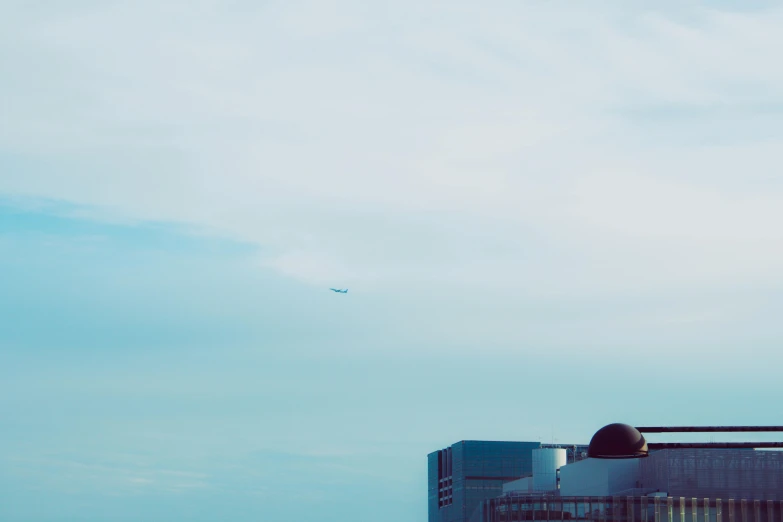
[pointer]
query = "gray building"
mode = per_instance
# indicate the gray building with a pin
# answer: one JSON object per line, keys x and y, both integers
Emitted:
{"x": 670, "y": 485}
{"x": 465, "y": 473}
{"x": 715, "y": 473}
{"x": 645, "y": 508}
{"x": 625, "y": 479}
{"x": 468, "y": 472}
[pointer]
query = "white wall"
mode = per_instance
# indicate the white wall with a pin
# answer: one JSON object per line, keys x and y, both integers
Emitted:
{"x": 522, "y": 485}
{"x": 624, "y": 474}
{"x": 546, "y": 462}
{"x": 598, "y": 477}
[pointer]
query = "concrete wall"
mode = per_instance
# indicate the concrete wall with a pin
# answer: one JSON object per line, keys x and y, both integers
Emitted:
{"x": 718, "y": 473}
{"x": 623, "y": 474}
{"x": 598, "y": 477}
{"x": 524, "y": 485}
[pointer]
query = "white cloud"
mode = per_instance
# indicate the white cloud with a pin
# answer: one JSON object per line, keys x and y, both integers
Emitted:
{"x": 108, "y": 478}
{"x": 323, "y": 131}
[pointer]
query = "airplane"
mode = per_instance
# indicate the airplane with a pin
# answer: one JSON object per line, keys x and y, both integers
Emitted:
{"x": 339, "y": 291}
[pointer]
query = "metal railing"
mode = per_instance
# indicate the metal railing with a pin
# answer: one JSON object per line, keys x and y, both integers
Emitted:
{"x": 644, "y": 508}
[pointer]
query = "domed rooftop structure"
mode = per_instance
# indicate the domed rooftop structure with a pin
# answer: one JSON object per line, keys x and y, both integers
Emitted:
{"x": 617, "y": 441}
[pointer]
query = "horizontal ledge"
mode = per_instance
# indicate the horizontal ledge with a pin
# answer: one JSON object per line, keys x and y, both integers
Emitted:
{"x": 708, "y": 429}
{"x": 713, "y": 445}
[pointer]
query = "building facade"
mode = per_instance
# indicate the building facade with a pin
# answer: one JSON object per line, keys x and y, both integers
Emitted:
{"x": 465, "y": 473}
{"x": 468, "y": 472}
{"x": 479, "y": 481}
{"x": 714, "y": 473}
{"x": 529, "y": 508}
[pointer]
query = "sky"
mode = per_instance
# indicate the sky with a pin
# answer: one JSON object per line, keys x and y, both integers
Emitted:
{"x": 550, "y": 216}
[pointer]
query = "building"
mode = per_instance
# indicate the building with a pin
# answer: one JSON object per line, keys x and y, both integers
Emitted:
{"x": 640, "y": 508}
{"x": 463, "y": 475}
{"x": 623, "y": 480}
{"x": 715, "y": 473}
{"x": 693, "y": 485}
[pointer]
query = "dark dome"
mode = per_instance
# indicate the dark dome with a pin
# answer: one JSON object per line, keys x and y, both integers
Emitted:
{"x": 617, "y": 441}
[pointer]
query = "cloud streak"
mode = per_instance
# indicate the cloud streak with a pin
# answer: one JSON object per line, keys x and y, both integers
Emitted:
{"x": 293, "y": 127}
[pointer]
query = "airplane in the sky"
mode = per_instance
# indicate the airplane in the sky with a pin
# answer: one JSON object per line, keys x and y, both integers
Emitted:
{"x": 339, "y": 291}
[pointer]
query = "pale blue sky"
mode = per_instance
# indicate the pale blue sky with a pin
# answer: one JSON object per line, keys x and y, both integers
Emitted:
{"x": 551, "y": 216}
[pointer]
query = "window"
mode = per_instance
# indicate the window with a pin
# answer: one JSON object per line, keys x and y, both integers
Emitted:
{"x": 445, "y": 478}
